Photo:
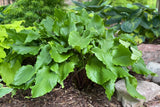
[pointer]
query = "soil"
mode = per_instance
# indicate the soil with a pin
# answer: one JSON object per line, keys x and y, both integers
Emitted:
{"x": 92, "y": 96}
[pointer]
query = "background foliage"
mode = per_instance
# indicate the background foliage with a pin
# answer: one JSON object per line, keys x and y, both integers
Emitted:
{"x": 30, "y": 10}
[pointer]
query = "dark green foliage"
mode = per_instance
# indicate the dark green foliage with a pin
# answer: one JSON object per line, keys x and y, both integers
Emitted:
{"x": 30, "y": 10}
{"x": 138, "y": 20}
{"x": 2, "y": 8}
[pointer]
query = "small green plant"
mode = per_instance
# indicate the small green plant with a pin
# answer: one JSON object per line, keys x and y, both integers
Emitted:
{"x": 72, "y": 41}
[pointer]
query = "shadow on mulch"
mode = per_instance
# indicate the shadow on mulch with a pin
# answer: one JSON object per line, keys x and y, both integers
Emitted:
{"x": 68, "y": 97}
{"x": 90, "y": 96}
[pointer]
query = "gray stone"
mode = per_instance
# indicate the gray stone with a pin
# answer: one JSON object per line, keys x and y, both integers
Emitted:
{"x": 154, "y": 67}
{"x": 145, "y": 88}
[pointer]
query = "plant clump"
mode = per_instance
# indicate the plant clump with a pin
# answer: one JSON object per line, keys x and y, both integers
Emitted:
{"x": 69, "y": 42}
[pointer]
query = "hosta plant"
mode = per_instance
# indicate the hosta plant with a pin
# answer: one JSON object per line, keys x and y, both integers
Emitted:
{"x": 140, "y": 21}
{"x": 40, "y": 58}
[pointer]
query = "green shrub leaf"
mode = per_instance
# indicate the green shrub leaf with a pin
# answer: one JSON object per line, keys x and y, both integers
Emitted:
{"x": 97, "y": 72}
{"x": 4, "y": 91}
{"x": 24, "y": 74}
{"x": 131, "y": 88}
{"x": 76, "y": 40}
{"x": 57, "y": 56}
{"x": 43, "y": 58}
{"x": 7, "y": 72}
{"x": 33, "y": 50}
{"x": 32, "y": 35}
{"x": 109, "y": 88}
{"x": 140, "y": 68}
{"x": 45, "y": 82}
{"x": 122, "y": 56}
{"x": 131, "y": 25}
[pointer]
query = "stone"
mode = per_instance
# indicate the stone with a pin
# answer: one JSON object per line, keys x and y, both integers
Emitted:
{"x": 151, "y": 52}
{"x": 154, "y": 67}
{"x": 145, "y": 88}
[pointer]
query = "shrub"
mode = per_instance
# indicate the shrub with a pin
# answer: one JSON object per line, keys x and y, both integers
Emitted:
{"x": 30, "y": 10}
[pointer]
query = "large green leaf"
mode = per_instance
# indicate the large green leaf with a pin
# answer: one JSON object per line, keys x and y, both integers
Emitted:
{"x": 18, "y": 38}
{"x": 105, "y": 57}
{"x": 109, "y": 88}
{"x": 63, "y": 70}
{"x": 97, "y": 71}
{"x": 24, "y": 74}
{"x": 33, "y": 50}
{"x": 4, "y": 91}
{"x": 57, "y": 56}
{"x": 7, "y": 72}
{"x": 43, "y": 58}
{"x": 76, "y": 40}
{"x": 122, "y": 56}
{"x": 140, "y": 68}
{"x": 98, "y": 25}
{"x": 106, "y": 44}
{"x": 2, "y": 54}
{"x": 48, "y": 24}
{"x": 67, "y": 27}
{"x": 131, "y": 25}
{"x": 136, "y": 55}
{"x": 120, "y": 71}
{"x": 32, "y": 35}
{"x": 131, "y": 88}
{"x": 45, "y": 82}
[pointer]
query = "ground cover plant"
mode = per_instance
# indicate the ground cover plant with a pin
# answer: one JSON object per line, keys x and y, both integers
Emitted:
{"x": 138, "y": 20}
{"x": 74, "y": 41}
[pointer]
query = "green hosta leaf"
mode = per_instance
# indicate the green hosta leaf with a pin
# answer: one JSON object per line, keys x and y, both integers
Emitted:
{"x": 131, "y": 25}
{"x": 97, "y": 72}
{"x": 120, "y": 71}
{"x": 18, "y": 38}
{"x": 7, "y": 72}
{"x": 63, "y": 70}
{"x": 105, "y": 57}
{"x": 114, "y": 19}
{"x": 98, "y": 25}
{"x": 128, "y": 38}
{"x": 136, "y": 55}
{"x": 132, "y": 89}
{"x": 106, "y": 44}
{"x": 2, "y": 54}
{"x": 67, "y": 27}
{"x": 122, "y": 56}
{"x": 76, "y": 40}
{"x": 4, "y": 91}
{"x": 24, "y": 74}
{"x": 57, "y": 56}
{"x": 43, "y": 58}
{"x": 45, "y": 82}
{"x": 124, "y": 43}
{"x": 32, "y": 35}
{"x": 48, "y": 24}
{"x": 33, "y": 50}
{"x": 109, "y": 88}
{"x": 140, "y": 68}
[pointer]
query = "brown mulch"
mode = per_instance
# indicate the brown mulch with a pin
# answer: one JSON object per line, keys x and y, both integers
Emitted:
{"x": 94, "y": 96}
